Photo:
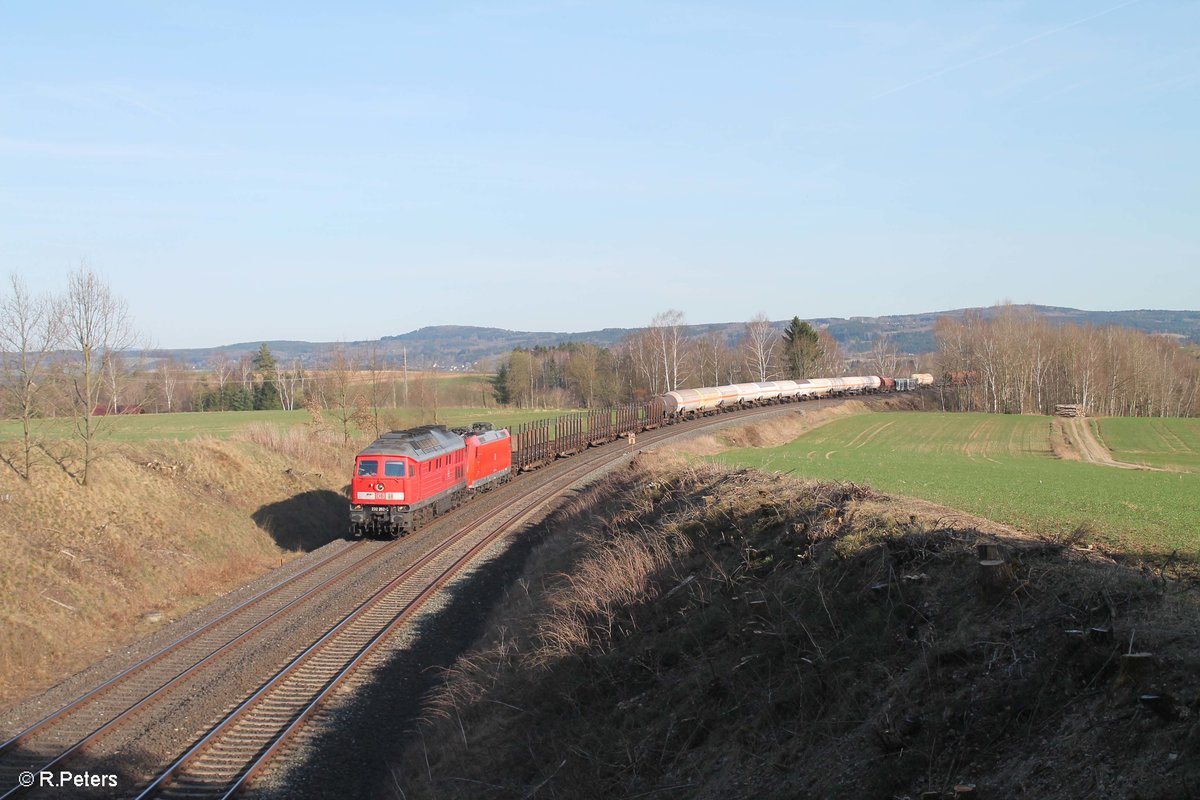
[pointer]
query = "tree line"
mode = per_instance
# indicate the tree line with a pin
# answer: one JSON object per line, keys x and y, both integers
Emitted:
{"x": 661, "y": 358}
{"x": 1018, "y": 362}
{"x": 75, "y": 355}
{"x": 69, "y": 355}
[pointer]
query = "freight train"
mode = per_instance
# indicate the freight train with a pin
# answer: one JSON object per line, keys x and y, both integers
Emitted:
{"x": 405, "y": 478}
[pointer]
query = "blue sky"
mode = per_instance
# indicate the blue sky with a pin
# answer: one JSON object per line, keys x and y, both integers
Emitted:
{"x": 258, "y": 171}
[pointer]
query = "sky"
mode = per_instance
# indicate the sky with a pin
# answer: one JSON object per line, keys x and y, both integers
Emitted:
{"x": 339, "y": 172}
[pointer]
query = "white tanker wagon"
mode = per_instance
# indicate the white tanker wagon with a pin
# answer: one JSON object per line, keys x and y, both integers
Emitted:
{"x": 685, "y": 401}
{"x": 758, "y": 392}
{"x": 712, "y": 399}
{"x": 795, "y": 390}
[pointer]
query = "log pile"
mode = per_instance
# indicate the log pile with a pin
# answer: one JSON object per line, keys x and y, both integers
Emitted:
{"x": 1068, "y": 410}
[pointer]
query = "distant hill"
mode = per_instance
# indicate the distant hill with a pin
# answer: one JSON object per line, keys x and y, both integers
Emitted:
{"x": 463, "y": 347}
{"x": 913, "y": 333}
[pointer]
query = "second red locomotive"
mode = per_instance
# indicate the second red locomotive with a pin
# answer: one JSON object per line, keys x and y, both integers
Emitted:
{"x": 405, "y": 478}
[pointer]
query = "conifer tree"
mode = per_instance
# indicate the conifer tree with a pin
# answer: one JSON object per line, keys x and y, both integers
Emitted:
{"x": 802, "y": 348}
{"x": 266, "y": 395}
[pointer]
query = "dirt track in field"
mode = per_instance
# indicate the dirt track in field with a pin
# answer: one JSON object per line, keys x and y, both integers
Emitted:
{"x": 1078, "y": 436}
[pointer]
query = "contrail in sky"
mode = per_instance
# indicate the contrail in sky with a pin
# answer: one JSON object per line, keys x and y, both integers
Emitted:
{"x": 1002, "y": 50}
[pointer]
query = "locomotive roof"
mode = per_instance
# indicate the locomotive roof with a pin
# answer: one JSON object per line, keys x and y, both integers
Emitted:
{"x": 491, "y": 436}
{"x": 428, "y": 441}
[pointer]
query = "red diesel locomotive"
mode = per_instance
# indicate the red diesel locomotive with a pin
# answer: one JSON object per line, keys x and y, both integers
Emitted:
{"x": 405, "y": 478}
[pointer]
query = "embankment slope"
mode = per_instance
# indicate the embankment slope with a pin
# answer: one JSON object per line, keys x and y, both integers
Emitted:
{"x": 161, "y": 527}
{"x": 703, "y": 631}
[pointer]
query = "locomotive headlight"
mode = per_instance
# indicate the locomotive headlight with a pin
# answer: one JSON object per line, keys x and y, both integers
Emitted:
{"x": 379, "y": 487}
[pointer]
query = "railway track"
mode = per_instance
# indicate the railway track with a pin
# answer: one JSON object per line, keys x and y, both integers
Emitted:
{"x": 254, "y": 732}
{"x": 51, "y": 741}
{"x": 258, "y": 726}
{"x": 247, "y": 738}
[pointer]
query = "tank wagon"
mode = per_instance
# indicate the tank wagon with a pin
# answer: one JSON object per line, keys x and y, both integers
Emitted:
{"x": 405, "y": 478}
{"x": 686, "y": 403}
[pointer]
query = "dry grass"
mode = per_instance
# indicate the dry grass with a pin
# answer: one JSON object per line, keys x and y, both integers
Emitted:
{"x": 311, "y": 445}
{"x": 704, "y": 632}
{"x": 161, "y": 526}
{"x": 584, "y": 611}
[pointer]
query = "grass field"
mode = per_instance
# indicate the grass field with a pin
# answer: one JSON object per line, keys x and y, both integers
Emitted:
{"x": 1169, "y": 443}
{"x": 223, "y": 424}
{"x": 1000, "y": 467}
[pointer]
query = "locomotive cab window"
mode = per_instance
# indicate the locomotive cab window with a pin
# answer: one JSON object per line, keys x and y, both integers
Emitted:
{"x": 368, "y": 468}
{"x": 393, "y": 469}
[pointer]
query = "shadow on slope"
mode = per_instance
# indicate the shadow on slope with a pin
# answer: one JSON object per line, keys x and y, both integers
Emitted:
{"x": 305, "y": 521}
{"x": 350, "y": 751}
{"x": 731, "y": 634}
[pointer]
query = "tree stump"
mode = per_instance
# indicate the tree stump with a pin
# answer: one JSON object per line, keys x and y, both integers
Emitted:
{"x": 991, "y": 552}
{"x": 1136, "y": 667}
{"x": 1161, "y": 704}
{"x": 995, "y": 578}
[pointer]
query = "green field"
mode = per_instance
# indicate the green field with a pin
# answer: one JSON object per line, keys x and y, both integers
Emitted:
{"x": 223, "y": 424}
{"x": 1172, "y": 443}
{"x": 1000, "y": 467}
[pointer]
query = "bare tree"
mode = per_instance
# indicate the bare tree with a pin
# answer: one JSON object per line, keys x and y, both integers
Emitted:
{"x": 830, "y": 364}
{"x": 708, "y": 359}
{"x": 666, "y": 333}
{"x": 30, "y": 328}
{"x": 759, "y": 342}
{"x": 645, "y": 365}
{"x": 98, "y": 328}
{"x": 116, "y": 373}
{"x": 168, "y": 379}
{"x": 884, "y": 358}
{"x": 589, "y": 375}
{"x": 222, "y": 370}
{"x": 426, "y": 395}
{"x": 245, "y": 371}
{"x": 375, "y": 367}
{"x": 519, "y": 376}
{"x": 338, "y": 390}
{"x": 288, "y": 383}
